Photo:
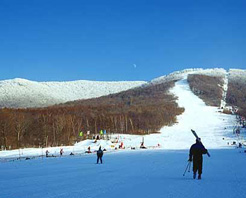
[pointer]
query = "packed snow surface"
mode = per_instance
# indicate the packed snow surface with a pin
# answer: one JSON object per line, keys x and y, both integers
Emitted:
{"x": 147, "y": 174}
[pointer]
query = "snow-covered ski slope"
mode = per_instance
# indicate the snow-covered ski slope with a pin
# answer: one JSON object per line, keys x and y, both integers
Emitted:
{"x": 132, "y": 174}
{"x": 214, "y": 128}
{"x": 211, "y": 125}
{"x": 145, "y": 173}
{"x": 19, "y": 93}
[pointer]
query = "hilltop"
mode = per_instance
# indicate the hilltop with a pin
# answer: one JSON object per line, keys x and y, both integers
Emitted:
{"x": 22, "y": 93}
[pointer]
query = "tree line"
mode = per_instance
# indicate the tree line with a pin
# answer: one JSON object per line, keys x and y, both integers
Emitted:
{"x": 236, "y": 95}
{"x": 208, "y": 88}
{"x": 141, "y": 111}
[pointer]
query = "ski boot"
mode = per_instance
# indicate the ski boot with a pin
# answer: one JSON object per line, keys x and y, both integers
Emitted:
{"x": 199, "y": 177}
{"x": 194, "y": 175}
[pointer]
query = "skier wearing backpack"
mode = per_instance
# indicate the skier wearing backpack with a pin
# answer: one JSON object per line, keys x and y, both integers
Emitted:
{"x": 196, "y": 152}
{"x": 99, "y": 155}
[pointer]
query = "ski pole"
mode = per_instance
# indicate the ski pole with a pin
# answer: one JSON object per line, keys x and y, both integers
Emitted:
{"x": 188, "y": 165}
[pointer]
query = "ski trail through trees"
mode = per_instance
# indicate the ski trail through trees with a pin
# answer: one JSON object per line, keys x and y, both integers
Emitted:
{"x": 213, "y": 127}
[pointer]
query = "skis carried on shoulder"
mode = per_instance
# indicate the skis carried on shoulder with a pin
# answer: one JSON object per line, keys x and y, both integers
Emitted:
{"x": 195, "y": 134}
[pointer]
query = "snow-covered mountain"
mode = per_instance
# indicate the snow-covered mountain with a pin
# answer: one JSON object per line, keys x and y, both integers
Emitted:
{"x": 213, "y": 126}
{"x": 19, "y": 93}
{"x": 22, "y": 93}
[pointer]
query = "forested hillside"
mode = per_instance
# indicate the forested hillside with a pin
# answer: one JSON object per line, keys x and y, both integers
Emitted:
{"x": 208, "y": 88}
{"x": 236, "y": 95}
{"x": 136, "y": 111}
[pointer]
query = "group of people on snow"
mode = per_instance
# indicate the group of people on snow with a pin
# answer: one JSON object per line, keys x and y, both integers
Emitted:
{"x": 196, "y": 153}
{"x": 99, "y": 153}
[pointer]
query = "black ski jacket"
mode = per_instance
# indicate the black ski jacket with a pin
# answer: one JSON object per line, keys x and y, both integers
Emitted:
{"x": 99, "y": 153}
{"x": 196, "y": 151}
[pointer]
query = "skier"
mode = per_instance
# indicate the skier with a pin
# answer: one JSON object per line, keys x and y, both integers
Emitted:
{"x": 196, "y": 152}
{"x": 61, "y": 152}
{"x": 121, "y": 145}
{"x": 47, "y": 153}
{"x": 142, "y": 146}
{"x": 99, "y": 155}
{"x": 89, "y": 150}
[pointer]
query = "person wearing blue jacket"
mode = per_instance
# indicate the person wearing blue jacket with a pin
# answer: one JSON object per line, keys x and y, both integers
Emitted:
{"x": 196, "y": 152}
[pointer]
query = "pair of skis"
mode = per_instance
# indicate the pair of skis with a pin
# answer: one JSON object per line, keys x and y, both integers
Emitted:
{"x": 194, "y": 133}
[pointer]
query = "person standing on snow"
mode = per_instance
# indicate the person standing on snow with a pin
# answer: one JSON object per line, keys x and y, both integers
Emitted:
{"x": 99, "y": 155}
{"x": 47, "y": 153}
{"x": 196, "y": 152}
{"x": 61, "y": 152}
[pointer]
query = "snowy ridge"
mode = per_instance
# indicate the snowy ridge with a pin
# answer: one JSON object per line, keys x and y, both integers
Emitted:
{"x": 25, "y": 93}
{"x": 21, "y": 93}
{"x": 177, "y": 75}
{"x": 237, "y": 74}
{"x": 218, "y": 72}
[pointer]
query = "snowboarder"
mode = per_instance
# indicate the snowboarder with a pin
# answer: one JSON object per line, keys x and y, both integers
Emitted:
{"x": 196, "y": 152}
{"x": 99, "y": 155}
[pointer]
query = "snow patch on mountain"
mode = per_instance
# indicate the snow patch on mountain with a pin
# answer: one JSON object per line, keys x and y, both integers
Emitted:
{"x": 224, "y": 93}
{"x": 21, "y": 93}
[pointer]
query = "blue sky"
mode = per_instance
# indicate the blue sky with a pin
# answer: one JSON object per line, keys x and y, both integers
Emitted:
{"x": 62, "y": 40}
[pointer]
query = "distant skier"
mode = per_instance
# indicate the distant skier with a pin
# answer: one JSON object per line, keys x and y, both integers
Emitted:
{"x": 142, "y": 146}
{"x": 61, "y": 152}
{"x": 89, "y": 150}
{"x": 47, "y": 153}
{"x": 99, "y": 155}
{"x": 196, "y": 152}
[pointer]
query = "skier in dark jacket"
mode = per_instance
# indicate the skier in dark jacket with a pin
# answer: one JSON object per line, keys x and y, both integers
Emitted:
{"x": 99, "y": 155}
{"x": 196, "y": 152}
